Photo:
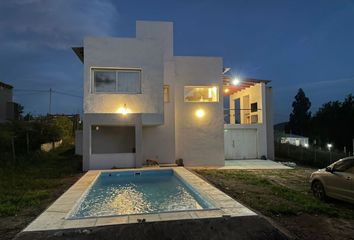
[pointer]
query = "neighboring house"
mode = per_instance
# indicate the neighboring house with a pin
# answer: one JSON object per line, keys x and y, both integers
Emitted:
{"x": 143, "y": 102}
{"x": 9, "y": 110}
{"x": 295, "y": 140}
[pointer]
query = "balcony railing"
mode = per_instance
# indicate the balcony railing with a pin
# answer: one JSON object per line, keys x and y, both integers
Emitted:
{"x": 242, "y": 116}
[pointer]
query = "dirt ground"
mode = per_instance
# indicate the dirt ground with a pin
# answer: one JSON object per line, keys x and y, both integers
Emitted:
{"x": 284, "y": 197}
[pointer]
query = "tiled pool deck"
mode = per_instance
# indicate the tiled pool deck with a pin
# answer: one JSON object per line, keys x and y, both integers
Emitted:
{"x": 55, "y": 217}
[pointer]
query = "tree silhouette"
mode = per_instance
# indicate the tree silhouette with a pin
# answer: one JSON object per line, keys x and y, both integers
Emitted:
{"x": 300, "y": 117}
{"x": 333, "y": 123}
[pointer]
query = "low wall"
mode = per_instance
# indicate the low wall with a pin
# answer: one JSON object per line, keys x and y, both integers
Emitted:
{"x": 46, "y": 147}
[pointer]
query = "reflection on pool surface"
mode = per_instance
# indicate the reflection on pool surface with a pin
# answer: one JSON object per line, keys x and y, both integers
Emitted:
{"x": 132, "y": 192}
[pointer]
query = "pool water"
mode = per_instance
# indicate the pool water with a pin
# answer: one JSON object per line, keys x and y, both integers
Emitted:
{"x": 132, "y": 192}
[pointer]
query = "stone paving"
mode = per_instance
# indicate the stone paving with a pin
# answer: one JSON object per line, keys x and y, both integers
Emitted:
{"x": 56, "y": 217}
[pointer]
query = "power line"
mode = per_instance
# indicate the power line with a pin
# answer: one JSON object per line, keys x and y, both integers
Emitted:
{"x": 66, "y": 94}
{"x": 29, "y": 92}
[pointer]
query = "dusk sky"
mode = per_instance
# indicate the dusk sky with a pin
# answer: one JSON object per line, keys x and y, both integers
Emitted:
{"x": 308, "y": 44}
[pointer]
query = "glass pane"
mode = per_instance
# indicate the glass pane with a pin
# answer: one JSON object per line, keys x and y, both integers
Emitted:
{"x": 129, "y": 82}
{"x": 105, "y": 81}
{"x": 201, "y": 94}
{"x": 343, "y": 165}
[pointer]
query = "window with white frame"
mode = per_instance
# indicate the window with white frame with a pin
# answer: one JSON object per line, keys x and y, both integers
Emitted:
{"x": 116, "y": 81}
{"x": 201, "y": 94}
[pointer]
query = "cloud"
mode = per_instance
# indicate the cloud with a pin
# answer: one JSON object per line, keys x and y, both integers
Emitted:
{"x": 56, "y": 24}
{"x": 318, "y": 84}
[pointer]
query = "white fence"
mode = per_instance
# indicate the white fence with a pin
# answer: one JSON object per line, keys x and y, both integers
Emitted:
{"x": 46, "y": 147}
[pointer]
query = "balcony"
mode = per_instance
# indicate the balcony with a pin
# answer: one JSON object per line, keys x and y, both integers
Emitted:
{"x": 242, "y": 116}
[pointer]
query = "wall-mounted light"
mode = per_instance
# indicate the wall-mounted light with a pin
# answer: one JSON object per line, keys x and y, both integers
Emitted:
{"x": 97, "y": 128}
{"x": 200, "y": 113}
{"x": 226, "y": 90}
{"x": 306, "y": 145}
{"x": 236, "y": 81}
{"x": 123, "y": 110}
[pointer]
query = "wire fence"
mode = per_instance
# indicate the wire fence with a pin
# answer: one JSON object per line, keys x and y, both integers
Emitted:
{"x": 310, "y": 156}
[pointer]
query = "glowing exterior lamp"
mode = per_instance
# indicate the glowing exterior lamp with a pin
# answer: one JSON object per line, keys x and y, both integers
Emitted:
{"x": 306, "y": 145}
{"x": 123, "y": 110}
{"x": 226, "y": 90}
{"x": 200, "y": 113}
{"x": 235, "y": 81}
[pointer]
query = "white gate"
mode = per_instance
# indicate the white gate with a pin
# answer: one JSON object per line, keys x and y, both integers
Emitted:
{"x": 240, "y": 143}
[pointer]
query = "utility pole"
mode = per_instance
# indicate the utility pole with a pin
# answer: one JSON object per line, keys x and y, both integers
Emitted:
{"x": 50, "y": 101}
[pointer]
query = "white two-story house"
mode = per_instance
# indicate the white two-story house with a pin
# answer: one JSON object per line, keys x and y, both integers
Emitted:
{"x": 142, "y": 102}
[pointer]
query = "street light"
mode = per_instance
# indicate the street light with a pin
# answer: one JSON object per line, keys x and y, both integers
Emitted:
{"x": 329, "y": 146}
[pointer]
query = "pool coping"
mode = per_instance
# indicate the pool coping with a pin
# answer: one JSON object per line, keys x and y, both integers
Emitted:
{"x": 55, "y": 216}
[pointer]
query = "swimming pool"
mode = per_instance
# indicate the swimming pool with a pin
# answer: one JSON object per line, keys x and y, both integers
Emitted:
{"x": 138, "y": 192}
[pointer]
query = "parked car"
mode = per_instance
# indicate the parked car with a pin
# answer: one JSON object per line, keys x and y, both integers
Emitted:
{"x": 336, "y": 181}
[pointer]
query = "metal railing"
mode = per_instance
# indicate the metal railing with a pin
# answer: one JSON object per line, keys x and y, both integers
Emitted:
{"x": 241, "y": 116}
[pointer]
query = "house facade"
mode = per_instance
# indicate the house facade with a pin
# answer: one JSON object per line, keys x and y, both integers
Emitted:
{"x": 143, "y": 102}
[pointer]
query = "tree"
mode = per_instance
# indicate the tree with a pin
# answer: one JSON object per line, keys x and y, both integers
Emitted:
{"x": 299, "y": 120}
{"x": 333, "y": 123}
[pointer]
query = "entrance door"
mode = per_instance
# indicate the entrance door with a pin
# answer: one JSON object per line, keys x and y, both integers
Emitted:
{"x": 240, "y": 143}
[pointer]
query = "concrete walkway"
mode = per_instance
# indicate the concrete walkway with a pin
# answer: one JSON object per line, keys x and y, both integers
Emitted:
{"x": 253, "y": 164}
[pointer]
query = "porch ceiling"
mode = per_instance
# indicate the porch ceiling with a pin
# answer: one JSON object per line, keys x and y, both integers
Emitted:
{"x": 229, "y": 89}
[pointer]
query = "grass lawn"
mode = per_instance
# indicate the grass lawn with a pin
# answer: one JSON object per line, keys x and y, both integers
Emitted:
{"x": 285, "y": 197}
{"x": 30, "y": 184}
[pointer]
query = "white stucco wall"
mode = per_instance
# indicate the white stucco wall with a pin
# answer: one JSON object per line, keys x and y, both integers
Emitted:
{"x": 159, "y": 141}
{"x": 199, "y": 142}
{"x": 112, "y": 139}
{"x": 78, "y": 142}
{"x": 152, "y": 46}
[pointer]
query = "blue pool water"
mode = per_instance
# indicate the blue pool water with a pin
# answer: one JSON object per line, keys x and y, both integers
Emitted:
{"x": 131, "y": 192}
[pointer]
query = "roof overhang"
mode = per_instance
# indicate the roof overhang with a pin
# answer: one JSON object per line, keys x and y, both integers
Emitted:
{"x": 79, "y": 51}
{"x": 244, "y": 83}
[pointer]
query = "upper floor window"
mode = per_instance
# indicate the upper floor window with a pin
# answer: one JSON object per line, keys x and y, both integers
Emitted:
{"x": 201, "y": 94}
{"x": 116, "y": 81}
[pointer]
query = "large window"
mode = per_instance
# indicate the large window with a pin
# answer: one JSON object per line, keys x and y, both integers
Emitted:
{"x": 201, "y": 94}
{"x": 116, "y": 81}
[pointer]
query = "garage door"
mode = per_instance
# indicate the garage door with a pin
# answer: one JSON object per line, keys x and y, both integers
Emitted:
{"x": 240, "y": 143}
